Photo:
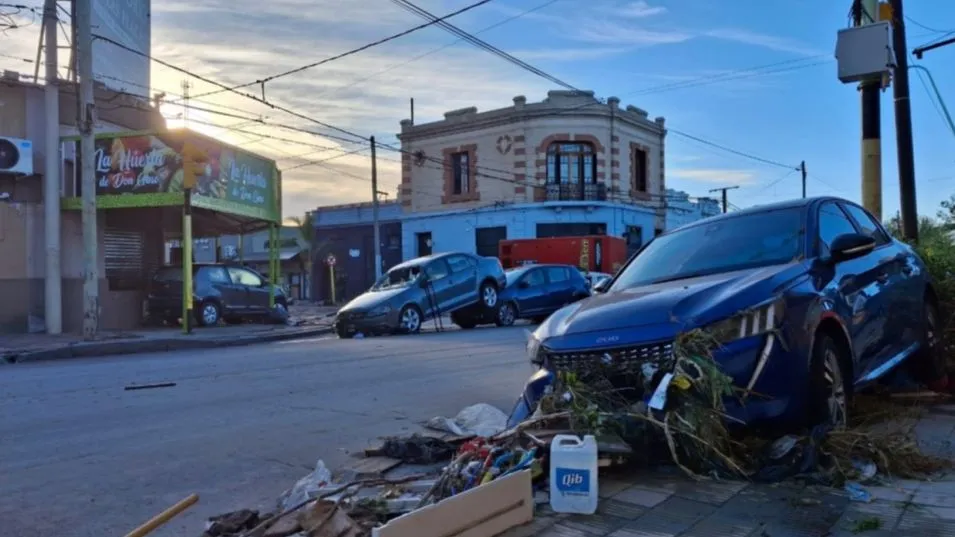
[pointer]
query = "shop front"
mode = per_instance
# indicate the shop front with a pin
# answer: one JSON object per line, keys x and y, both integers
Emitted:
{"x": 156, "y": 187}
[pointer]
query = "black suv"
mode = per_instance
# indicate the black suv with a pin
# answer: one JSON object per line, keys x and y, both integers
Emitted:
{"x": 229, "y": 292}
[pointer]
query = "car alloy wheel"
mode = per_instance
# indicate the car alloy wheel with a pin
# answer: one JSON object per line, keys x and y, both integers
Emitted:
{"x": 836, "y": 389}
{"x": 410, "y": 320}
{"x": 210, "y": 314}
{"x": 489, "y": 296}
{"x": 506, "y": 314}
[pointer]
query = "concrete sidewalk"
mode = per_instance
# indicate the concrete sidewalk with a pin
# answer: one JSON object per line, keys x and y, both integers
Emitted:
{"x": 305, "y": 321}
{"x": 667, "y": 504}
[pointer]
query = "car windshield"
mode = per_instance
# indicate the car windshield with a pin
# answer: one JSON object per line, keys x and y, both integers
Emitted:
{"x": 398, "y": 277}
{"x": 513, "y": 275}
{"x": 728, "y": 244}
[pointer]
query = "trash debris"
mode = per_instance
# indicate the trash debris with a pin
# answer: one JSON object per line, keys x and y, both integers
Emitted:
{"x": 417, "y": 449}
{"x": 857, "y": 492}
{"x": 311, "y": 483}
{"x": 132, "y": 387}
{"x": 476, "y": 420}
{"x": 573, "y": 474}
{"x": 231, "y": 523}
{"x": 326, "y": 519}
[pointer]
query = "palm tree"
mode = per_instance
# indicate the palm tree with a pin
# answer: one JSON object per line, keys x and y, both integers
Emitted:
{"x": 310, "y": 250}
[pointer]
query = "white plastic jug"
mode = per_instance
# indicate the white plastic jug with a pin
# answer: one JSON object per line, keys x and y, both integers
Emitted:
{"x": 573, "y": 474}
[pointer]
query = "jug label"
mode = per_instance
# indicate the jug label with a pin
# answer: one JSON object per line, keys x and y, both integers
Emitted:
{"x": 572, "y": 482}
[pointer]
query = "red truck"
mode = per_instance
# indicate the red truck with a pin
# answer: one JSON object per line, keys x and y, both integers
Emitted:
{"x": 592, "y": 253}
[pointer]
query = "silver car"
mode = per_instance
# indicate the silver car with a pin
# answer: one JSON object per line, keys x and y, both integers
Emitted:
{"x": 464, "y": 285}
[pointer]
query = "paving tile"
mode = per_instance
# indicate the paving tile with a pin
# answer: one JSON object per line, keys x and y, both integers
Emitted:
{"x": 888, "y": 513}
{"x": 560, "y": 530}
{"x": 724, "y": 525}
{"x": 638, "y": 495}
{"x": 627, "y": 532}
{"x": 714, "y": 492}
{"x": 673, "y": 516}
{"x": 598, "y": 524}
{"x": 611, "y": 486}
{"x": 934, "y": 499}
{"x": 617, "y": 508}
{"x": 891, "y": 493}
{"x": 934, "y": 521}
{"x": 534, "y": 528}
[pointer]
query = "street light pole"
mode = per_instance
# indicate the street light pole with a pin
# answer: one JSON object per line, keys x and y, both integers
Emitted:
{"x": 85, "y": 123}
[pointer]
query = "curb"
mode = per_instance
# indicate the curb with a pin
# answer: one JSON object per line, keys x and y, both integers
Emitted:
{"x": 106, "y": 348}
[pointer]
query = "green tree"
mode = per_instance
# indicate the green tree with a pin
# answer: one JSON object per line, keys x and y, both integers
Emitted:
{"x": 310, "y": 249}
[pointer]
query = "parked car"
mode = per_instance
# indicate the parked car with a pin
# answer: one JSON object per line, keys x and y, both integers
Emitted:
{"x": 463, "y": 285}
{"x": 811, "y": 300}
{"x": 535, "y": 291}
{"x": 221, "y": 291}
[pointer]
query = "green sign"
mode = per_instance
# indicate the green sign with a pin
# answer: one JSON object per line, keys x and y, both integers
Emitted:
{"x": 146, "y": 170}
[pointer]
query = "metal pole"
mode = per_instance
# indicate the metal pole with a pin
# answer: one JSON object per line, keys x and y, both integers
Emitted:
{"x": 903, "y": 126}
{"x": 52, "y": 292}
{"x": 866, "y": 12}
{"x": 374, "y": 209}
{"x": 724, "y": 190}
{"x": 802, "y": 168}
{"x": 164, "y": 517}
{"x": 85, "y": 120}
{"x": 412, "y": 110}
{"x": 187, "y": 305}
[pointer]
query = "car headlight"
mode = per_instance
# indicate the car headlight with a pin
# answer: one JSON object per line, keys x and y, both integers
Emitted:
{"x": 754, "y": 321}
{"x": 380, "y": 310}
{"x": 533, "y": 349}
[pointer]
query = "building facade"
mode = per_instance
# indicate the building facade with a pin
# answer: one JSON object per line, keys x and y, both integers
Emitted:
{"x": 22, "y": 245}
{"x": 569, "y": 147}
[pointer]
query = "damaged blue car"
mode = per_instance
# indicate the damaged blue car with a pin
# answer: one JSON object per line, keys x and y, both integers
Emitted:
{"x": 810, "y": 301}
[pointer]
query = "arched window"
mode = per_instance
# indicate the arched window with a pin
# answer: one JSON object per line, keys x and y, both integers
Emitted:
{"x": 571, "y": 163}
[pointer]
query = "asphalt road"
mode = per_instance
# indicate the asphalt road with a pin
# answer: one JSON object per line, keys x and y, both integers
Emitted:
{"x": 79, "y": 456}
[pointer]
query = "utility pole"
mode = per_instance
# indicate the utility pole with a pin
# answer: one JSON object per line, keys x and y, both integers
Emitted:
{"x": 865, "y": 12}
{"x": 903, "y": 126}
{"x": 185, "y": 102}
{"x": 52, "y": 292}
{"x": 84, "y": 123}
{"x": 725, "y": 200}
{"x": 802, "y": 169}
{"x": 374, "y": 209}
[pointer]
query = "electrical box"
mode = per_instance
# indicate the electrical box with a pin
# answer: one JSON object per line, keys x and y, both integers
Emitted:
{"x": 16, "y": 156}
{"x": 865, "y": 52}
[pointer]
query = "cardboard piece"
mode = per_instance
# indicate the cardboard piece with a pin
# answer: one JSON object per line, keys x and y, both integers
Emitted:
{"x": 484, "y": 511}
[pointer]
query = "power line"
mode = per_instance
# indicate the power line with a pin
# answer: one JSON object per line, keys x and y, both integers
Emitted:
{"x": 484, "y": 45}
{"x": 733, "y": 151}
{"x": 929, "y": 28}
{"x": 263, "y": 81}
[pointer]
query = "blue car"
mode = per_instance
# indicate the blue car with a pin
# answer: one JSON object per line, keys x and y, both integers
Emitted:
{"x": 535, "y": 291}
{"x": 811, "y": 300}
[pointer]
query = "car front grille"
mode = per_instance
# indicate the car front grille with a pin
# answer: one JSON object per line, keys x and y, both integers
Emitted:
{"x": 351, "y": 315}
{"x": 629, "y": 359}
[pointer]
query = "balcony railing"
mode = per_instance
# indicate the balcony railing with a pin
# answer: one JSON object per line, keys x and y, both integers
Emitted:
{"x": 576, "y": 192}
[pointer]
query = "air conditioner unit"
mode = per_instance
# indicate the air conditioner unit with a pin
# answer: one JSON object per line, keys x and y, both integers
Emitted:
{"x": 16, "y": 156}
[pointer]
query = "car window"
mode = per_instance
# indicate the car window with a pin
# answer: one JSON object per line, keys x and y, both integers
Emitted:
{"x": 534, "y": 278}
{"x": 214, "y": 275}
{"x": 557, "y": 274}
{"x": 460, "y": 263}
{"x": 437, "y": 270}
{"x": 244, "y": 277}
{"x": 868, "y": 225}
{"x": 725, "y": 244}
{"x": 832, "y": 223}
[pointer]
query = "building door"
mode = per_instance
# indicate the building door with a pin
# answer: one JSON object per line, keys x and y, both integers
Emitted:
{"x": 424, "y": 243}
{"x": 486, "y": 240}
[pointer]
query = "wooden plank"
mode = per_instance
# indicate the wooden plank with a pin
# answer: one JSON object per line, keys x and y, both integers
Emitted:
{"x": 484, "y": 511}
{"x": 371, "y": 467}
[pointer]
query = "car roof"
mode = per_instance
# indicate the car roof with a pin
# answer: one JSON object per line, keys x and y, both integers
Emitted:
{"x": 418, "y": 261}
{"x": 757, "y": 209}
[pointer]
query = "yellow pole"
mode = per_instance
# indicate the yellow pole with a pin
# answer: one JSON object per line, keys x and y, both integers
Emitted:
{"x": 187, "y": 263}
{"x": 331, "y": 275}
{"x": 164, "y": 517}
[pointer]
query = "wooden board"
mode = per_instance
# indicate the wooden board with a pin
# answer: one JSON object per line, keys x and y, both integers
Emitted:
{"x": 371, "y": 467}
{"x": 484, "y": 511}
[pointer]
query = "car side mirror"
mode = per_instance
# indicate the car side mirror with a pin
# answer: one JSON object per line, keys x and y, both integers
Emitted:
{"x": 601, "y": 286}
{"x": 850, "y": 246}
{"x": 523, "y": 284}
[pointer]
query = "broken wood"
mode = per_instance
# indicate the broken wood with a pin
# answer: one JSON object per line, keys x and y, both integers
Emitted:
{"x": 132, "y": 387}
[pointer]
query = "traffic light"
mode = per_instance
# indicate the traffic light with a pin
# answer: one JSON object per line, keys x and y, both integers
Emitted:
{"x": 194, "y": 162}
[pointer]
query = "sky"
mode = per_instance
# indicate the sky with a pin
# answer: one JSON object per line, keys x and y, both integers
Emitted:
{"x": 757, "y": 77}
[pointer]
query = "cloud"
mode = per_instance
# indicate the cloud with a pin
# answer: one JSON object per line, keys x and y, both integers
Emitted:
{"x": 779, "y": 44}
{"x": 607, "y": 32}
{"x": 638, "y": 10}
{"x": 570, "y": 54}
{"x": 715, "y": 175}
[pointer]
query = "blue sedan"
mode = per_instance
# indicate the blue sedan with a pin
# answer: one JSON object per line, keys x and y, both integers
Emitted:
{"x": 535, "y": 291}
{"x": 810, "y": 299}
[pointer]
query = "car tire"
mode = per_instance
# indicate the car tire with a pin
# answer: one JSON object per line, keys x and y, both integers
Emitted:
{"x": 829, "y": 393}
{"x": 929, "y": 366}
{"x": 342, "y": 333}
{"x": 409, "y": 320}
{"x": 488, "y": 296}
{"x": 209, "y": 314}
{"x": 506, "y": 314}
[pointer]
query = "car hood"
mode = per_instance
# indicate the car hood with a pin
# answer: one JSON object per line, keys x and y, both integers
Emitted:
{"x": 691, "y": 303}
{"x": 373, "y": 299}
